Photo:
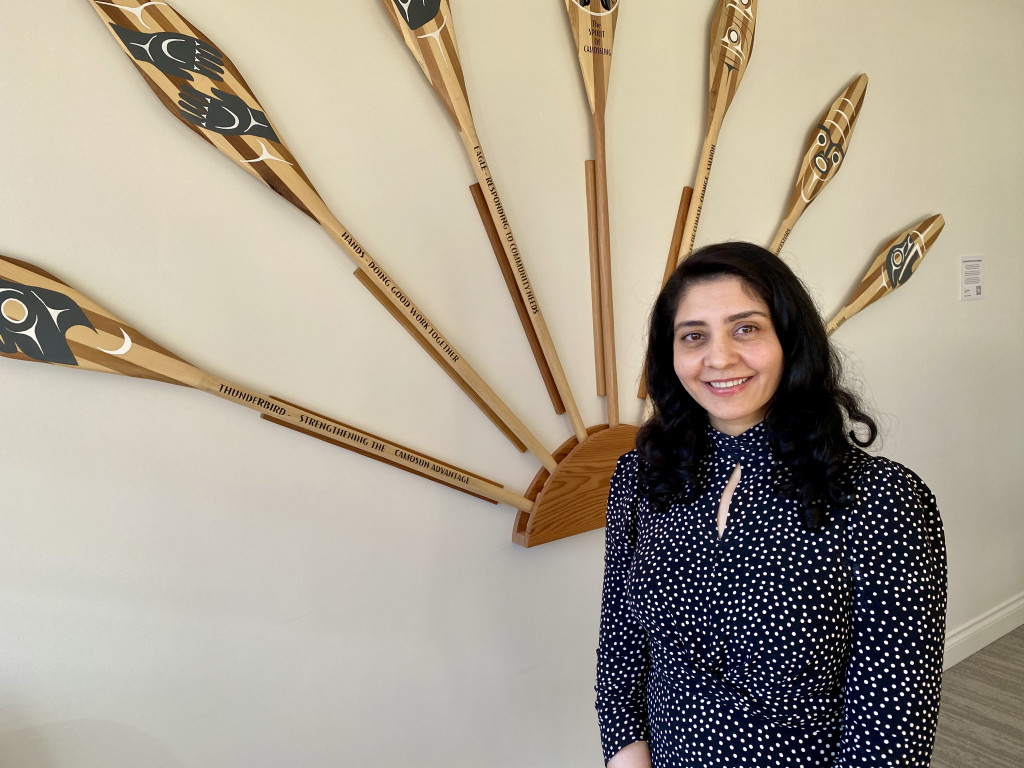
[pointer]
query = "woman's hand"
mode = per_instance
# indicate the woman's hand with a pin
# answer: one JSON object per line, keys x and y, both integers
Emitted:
{"x": 635, "y": 755}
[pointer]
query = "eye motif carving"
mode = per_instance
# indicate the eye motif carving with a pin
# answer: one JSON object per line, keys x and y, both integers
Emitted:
{"x": 829, "y": 156}
{"x": 418, "y": 12}
{"x": 606, "y": 4}
{"x": 902, "y": 258}
{"x": 738, "y": 39}
{"x": 34, "y": 321}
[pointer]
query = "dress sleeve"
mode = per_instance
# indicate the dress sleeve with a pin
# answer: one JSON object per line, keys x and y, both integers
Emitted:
{"x": 623, "y": 660}
{"x": 897, "y": 553}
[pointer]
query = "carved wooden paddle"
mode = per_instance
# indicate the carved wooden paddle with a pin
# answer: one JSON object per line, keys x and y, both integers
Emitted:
{"x": 825, "y": 154}
{"x": 201, "y": 87}
{"x": 429, "y": 32}
{"x": 893, "y": 266}
{"x": 732, "y": 42}
{"x": 593, "y": 29}
{"x": 44, "y": 320}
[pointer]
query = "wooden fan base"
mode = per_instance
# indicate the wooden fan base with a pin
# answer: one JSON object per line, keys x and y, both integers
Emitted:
{"x": 572, "y": 499}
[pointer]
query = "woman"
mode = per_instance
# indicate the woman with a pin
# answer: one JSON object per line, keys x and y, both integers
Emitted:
{"x": 773, "y": 595}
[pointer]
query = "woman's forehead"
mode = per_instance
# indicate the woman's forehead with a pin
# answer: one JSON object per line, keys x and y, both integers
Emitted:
{"x": 718, "y": 297}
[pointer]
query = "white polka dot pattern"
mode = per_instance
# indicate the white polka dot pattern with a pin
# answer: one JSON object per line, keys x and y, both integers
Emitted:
{"x": 774, "y": 645}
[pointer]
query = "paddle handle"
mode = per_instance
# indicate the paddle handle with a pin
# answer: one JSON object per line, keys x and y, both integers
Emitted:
{"x": 707, "y": 158}
{"x": 611, "y": 386}
{"x": 517, "y": 300}
{"x": 515, "y": 261}
{"x": 442, "y": 350}
{"x": 595, "y": 276}
{"x": 316, "y": 425}
{"x": 786, "y": 229}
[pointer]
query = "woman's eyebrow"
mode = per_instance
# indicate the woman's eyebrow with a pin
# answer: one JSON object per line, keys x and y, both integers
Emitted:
{"x": 745, "y": 315}
{"x": 689, "y": 324}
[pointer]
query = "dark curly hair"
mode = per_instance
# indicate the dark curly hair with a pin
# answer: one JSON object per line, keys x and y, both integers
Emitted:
{"x": 808, "y": 420}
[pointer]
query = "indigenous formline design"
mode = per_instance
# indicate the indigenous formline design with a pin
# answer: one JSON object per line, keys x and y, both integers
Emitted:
{"x": 892, "y": 267}
{"x": 214, "y": 101}
{"x": 47, "y": 321}
{"x": 825, "y": 155}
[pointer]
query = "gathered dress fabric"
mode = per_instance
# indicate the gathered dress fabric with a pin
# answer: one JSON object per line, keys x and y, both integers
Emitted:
{"x": 772, "y": 645}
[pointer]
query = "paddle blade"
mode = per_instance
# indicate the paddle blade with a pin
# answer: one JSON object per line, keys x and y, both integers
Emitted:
{"x": 201, "y": 87}
{"x": 593, "y": 29}
{"x": 45, "y": 320}
{"x": 825, "y": 152}
{"x": 894, "y": 265}
{"x": 429, "y": 32}
{"x": 732, "y": 43}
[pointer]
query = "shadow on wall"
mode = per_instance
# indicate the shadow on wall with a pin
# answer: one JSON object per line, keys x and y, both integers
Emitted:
{"x": 83, "y": 744}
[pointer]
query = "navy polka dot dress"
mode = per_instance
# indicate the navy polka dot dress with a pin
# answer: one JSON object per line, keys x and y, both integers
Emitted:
{"x": 774, "y": 645}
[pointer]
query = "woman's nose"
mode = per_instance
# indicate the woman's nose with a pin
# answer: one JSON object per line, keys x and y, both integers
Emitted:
{"x": 721, "y": 352}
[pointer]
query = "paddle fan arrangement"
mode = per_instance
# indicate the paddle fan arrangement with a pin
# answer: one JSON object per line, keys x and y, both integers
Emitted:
{"x": 45, "y": 320}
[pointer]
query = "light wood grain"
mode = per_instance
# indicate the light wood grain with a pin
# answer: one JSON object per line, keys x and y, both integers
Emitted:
{"x": 210, "y": 96}
{"x": 573, "y": 498}
{"x": 433, "y": 44}
{"x": 826, "y": 151}
{"x": 731, "y": 44}
{"x": 595, "y": 276}
{"x": 517, "y": 300}
{"x": 593, "y": 28}
{"x": 50, "y": 322}
{"x": 894, "y": 265}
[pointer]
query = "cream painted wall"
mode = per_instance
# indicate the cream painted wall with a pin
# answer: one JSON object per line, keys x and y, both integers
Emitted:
{"x": 183, "y": 585}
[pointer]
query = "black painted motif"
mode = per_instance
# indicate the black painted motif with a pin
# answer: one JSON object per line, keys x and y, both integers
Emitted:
{"x": 34, "y": 321}
{"x": 172, "y": 53}
{"x": 223, "y": 113}
{"x": 606, "y": 4}
{"x": 418, "y": 12}
{"x": 899, "y": 264}
{"x": 829, "y": 154}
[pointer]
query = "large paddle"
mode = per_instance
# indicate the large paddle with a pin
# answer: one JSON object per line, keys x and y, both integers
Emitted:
{"x": 428, "y": 31}
{"x": 593, "y": 29}
{"x": 732, "y": 42}
{"x": 201, "y": 87}
{"x": 45, "y": 320}
{"x": 893, "y": 266}
{"x": 825, "y": 154}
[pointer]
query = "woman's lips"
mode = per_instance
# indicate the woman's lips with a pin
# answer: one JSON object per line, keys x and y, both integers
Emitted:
{"x": 727, "y": 386}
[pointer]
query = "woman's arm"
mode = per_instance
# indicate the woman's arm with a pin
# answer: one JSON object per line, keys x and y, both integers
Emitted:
{"x": 622, "y": 654}
{"x": 635, "y": 755}
{"x": 897, "y": 553}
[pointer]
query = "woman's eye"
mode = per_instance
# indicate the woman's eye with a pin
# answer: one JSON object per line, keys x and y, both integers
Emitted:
{"x": 690, "y": 338}
{"x": 745, "y": 329}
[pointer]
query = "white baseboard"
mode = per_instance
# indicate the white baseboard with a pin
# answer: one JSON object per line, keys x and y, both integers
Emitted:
{"x": 971, "y": 637}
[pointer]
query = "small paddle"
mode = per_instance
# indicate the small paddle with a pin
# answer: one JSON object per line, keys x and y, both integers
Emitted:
{"x": 593, "y": 29}
{"x": 825, "y": 154}
{"x": 732, "y": 42}
{"x": 893, "y": 266}
{"x": 428, "y": 31}
{"x": 44, "y": 320}
{"x": 201, "y": 87}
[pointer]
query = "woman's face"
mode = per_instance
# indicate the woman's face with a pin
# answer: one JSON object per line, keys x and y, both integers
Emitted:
{"x": 726, "y": 353}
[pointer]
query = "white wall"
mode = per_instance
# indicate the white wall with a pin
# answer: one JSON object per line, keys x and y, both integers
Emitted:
{"x": 184, "y": 585}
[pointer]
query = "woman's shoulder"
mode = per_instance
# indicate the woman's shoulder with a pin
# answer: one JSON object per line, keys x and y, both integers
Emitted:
{"x": 871, "y": 473}
{"x": 887, "y": 490}
{"x": 627, "y": 470}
